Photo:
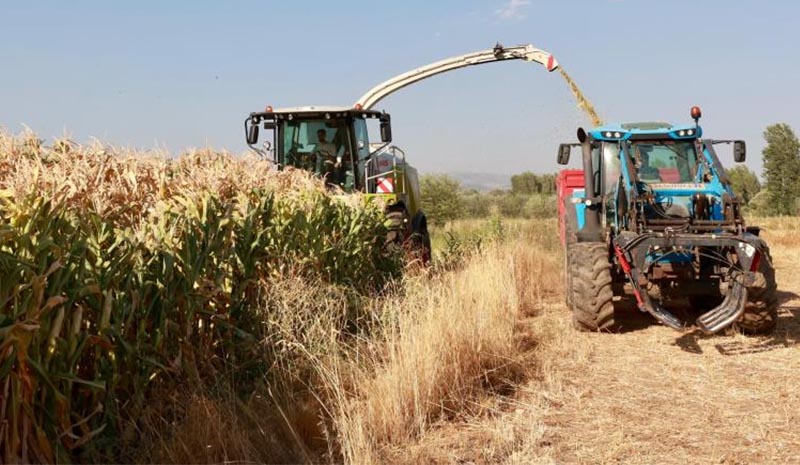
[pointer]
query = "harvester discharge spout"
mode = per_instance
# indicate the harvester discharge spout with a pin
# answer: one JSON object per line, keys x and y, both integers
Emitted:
{"x": 498, "y": 53}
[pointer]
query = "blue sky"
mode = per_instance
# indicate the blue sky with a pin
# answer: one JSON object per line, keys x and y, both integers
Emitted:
{"x": 185, "y": 74}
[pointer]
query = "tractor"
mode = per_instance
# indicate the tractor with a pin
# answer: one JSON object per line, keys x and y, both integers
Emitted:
{"x": 334, "y": 143}
{"x": 651, "y": 219}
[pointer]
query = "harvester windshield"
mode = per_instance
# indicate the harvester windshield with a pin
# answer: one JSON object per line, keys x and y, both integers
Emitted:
{"x": 322, "y": 146}
{"x": 665, "y": 161}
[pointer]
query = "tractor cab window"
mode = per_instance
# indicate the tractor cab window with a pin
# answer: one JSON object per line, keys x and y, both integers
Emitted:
{"x": 611, "y": 167}
{"x": 665, "y": 161}
{"x": 322, "y": 146}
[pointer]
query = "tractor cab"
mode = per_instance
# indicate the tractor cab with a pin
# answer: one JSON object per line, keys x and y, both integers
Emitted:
{"x": 654, "y": 175}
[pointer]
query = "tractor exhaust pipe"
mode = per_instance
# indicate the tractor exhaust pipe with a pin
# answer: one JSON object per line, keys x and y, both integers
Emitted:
{"x": 591, "y": 227}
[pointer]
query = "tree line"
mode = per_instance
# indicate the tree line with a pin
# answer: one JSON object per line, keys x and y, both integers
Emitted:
{"x": 534, "y": 195}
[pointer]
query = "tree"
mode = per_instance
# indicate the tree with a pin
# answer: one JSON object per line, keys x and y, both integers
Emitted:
{"x": 782, "y": 168}
{"x": 745, "y": 182}
{"x": 525, "y": 183}
{"x": 441, "y": 198}
{"x": 528, "y": 183}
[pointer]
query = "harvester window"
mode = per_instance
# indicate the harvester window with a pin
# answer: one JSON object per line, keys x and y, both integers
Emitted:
{"x": 322, "y": 146}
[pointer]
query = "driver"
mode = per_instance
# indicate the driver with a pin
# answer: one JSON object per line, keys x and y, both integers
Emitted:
{"x": 647, "y": 172}
{"x": 325, "y": 153}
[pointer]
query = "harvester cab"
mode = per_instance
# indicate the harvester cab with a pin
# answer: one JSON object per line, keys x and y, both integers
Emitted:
{"x": 656, "y": 218}
{"x": 334, "y": 143}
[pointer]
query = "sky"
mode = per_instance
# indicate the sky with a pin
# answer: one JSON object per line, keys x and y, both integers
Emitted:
{"x": 180, "y": 74}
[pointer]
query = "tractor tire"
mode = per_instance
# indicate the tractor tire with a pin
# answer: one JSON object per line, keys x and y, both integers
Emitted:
{"x": 761, "y": 311}
{"x": 569, "y": 291}
{"x": 593, "y": 307}
{"x": 570, "y": 239}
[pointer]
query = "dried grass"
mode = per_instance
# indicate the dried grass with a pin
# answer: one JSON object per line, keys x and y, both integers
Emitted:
{"x": 650, "y": 395}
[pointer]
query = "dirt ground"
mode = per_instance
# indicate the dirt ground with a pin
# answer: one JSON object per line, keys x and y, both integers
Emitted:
{"x": 648, "y": 395}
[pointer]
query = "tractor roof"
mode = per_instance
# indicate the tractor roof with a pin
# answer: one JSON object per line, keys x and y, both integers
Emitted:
{"x": 625, "y": 131}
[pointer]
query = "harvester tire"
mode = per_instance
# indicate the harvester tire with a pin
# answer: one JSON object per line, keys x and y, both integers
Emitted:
{"x": 395, "y": 223}
{"x": 420, "y": 247}
{"x": 593, "y": 307}
{"x": 761, "y": 311}
{"x": 421, "y": 238}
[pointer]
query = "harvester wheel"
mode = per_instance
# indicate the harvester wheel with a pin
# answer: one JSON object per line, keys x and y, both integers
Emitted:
{"x": 396, "y": 224}
{"x": 593, "y": 308}
{"x": 420, "y": 239}
{"x": 421, "y": 246}
{"x": 761, "y": 312}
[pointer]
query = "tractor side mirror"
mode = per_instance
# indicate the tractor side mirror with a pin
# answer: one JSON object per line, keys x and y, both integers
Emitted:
{"x": 739, "y": 151}
{"x": 563, "y": 153}
{"x": 252, "y": 134}
{"x": 386, "y": 131}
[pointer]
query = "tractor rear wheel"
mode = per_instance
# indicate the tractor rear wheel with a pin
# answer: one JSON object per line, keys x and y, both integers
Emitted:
{"x": 761, "y": 311}
{"x": 593, "y": 307}
{"x": 570, "y": 239}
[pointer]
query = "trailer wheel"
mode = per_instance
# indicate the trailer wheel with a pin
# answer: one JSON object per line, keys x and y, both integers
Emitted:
{"x": 761, "y": 311}
{"x": 593, "y": 307}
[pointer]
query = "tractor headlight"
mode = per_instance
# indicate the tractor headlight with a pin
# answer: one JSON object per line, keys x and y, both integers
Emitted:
{"x": 612, "y": 135}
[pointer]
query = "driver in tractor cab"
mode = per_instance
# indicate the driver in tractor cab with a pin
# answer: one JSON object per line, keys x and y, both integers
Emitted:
{"x": 647, "y": 172}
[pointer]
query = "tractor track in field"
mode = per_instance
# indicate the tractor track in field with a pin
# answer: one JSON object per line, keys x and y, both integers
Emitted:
{"x": 648, "y": 395}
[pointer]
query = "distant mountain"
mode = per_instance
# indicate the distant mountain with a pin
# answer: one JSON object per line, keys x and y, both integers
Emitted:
{"x": 483, "y": 182}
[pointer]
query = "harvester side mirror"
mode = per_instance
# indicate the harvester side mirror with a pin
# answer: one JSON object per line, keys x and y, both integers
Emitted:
{"x": 252, "y": 134}
{"x": 563, "y": 153}
{"x": 386, "y": 131}
{"x": 739, "y": 151}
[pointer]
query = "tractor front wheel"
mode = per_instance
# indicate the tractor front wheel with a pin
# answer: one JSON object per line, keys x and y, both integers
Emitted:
{"x": 761, "y": 311}
{"x": 592, "y": 306}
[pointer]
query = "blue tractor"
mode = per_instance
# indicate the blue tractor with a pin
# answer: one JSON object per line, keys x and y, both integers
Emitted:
{"x": 657, "y": 222}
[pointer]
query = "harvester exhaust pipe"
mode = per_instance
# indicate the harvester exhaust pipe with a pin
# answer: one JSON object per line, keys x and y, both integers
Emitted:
{"x": 591, "y": 227}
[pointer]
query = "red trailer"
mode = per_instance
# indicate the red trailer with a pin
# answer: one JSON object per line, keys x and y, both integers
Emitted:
{"x": 566, "y": 182}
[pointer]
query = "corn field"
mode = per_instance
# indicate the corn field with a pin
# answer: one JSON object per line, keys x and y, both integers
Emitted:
{"x": 123, "y": 274}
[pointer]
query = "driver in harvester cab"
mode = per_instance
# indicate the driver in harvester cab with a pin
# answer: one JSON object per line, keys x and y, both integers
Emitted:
{"x": 325, "y": 153}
